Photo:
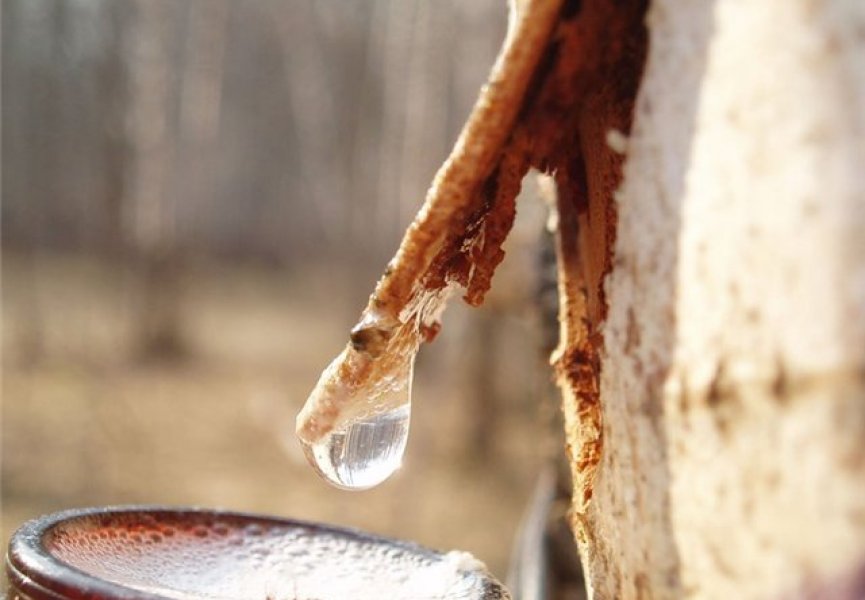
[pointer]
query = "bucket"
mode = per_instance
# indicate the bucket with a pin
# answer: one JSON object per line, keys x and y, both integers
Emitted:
{"x": 149, "y": 553}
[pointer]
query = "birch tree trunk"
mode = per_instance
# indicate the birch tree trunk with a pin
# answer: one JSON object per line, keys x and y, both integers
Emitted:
{"x": 732, "y": 369}
{"x": 149, "y": 204}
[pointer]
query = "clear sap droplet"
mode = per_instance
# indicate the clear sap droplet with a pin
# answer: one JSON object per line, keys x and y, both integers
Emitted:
{"x": 364, "y": 451}
{"x": 364, "y": 399}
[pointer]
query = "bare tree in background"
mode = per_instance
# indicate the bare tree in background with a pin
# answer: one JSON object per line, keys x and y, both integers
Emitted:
{"x": 200, "y": 102}
{"x": 148, "y": 206}
{"x": 158, "y": 139}
{"x": 37, "y": 153}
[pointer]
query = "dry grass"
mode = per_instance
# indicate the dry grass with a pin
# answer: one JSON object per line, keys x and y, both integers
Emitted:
{"x": 86, "y": 424}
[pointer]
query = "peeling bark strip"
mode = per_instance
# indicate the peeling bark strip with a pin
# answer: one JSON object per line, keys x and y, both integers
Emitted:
{"x": 567, "y": 74}
{"x": 409, "y": 296}
{"x": 600, "y": 59}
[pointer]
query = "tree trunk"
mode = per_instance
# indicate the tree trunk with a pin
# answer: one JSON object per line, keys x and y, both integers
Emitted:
{"x": 731, "y": 361}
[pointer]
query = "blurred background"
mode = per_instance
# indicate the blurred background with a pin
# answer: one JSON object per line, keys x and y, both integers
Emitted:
{"x": 198, "y": 197}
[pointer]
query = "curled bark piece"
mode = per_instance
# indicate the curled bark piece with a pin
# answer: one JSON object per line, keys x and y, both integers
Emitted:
{"x": 408, "y": 298}
{"x": 567, "y": 75}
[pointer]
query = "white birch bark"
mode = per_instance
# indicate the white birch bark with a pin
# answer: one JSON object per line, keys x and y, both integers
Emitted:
{"x": 733, "y": 379}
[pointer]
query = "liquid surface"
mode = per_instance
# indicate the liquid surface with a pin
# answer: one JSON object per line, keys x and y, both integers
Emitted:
{"x": 365, "y": 451}
{"x": 200, "y": 556}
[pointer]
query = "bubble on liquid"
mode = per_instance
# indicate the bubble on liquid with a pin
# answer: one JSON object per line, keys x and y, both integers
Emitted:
{"x": 363, "y": 452}
{"x": 281, "y": 560}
